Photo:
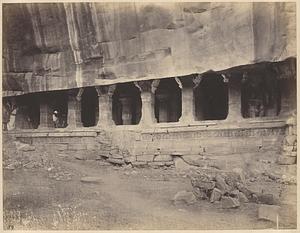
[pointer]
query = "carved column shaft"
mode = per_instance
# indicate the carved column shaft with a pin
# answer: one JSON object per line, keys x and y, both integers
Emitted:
{"x": 105, "y": 94}
{"x": 188, "y": 100}
{"x": 126, "y": 103}
{"x": 163, "y": 108}
{"x": 45, "y": 114}
{"x": 147, "y": 97}
{"x": 234, "y": 100}
{"x": 74, "y": 108}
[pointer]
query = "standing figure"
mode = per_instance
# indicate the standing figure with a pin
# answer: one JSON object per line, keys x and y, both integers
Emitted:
{"x": 55, "y": 119}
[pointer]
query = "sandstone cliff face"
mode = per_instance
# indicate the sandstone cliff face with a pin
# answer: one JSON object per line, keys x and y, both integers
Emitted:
{"x": 66, "y": 45}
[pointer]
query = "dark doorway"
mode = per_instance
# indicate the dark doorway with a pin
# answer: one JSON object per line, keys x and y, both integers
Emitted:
{"x": 127, "y": 104}
{"x": 168, "y": 101}
{"x": 58, "y": 101}
{"x": 89, "y": 107}
{"x": 28, "y": 112}
{"x": 260, "y": 95}
{"x": 211, "y": 98}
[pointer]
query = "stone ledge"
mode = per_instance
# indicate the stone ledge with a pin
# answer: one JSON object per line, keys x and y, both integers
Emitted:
{"x": 54, "y": 134}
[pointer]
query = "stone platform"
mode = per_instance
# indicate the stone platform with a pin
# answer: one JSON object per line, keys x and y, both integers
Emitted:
{"x": 229, "y": 144}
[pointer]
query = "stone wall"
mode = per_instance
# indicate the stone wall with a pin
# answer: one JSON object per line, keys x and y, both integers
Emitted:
{"x": 217, "y": 144}
{"x": 88, "y": 144}
{"x": 229, "y": 147}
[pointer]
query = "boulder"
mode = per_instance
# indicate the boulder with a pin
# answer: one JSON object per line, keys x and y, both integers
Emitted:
{"x": 91, "y": 179}
{"x": 269, "y": 212}
{"x": 286, "y": 160}
{"x": 240, "y": 173}
{"x": 80, "y": 156}
{"x": 221, "y": 184}
{"x": 178, "y": 154}
{"x": 156, "y": 164}
{"x": 116, "y": 156}
{"x": 288, "y": 148}
{"x": 265, "y": 199}
{"x": 242, "y": 198}
{"x": 184, "y": 197}
{"x": 229, "y": 202}
{"x": 203, "y": 183}
{"x": 248, "y": 193}
{"x": 145, "y": 158}
{"x": 163, "y": 158}
{"x": 294, "y": 154}
{"x": 139, "y": 164}
{"x": 104, "y": 155}
{"x": 116, "y": 161}
{"x": 169, "y": 163}
{"x": 290, "y": 139}
{"x": 130, "y": 159}
{"x": 215, "y": 195}
{"x": 200, "y": 193}
{"x": 180, "y": 164}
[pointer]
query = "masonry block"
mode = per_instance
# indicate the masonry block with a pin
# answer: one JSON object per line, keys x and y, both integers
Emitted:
{"x": 146, "y": 158}
{"x": 269, "y": 212}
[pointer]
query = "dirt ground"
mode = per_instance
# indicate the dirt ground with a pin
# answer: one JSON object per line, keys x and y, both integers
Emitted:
{"x": 124, "y": 198}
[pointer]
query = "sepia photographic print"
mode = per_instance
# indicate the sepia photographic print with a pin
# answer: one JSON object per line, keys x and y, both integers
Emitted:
{"x": 149, "y": 115}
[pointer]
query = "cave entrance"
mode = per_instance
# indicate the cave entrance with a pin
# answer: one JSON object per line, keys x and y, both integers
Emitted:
{"x": 168, "y": 101}
{"x": 89, "y": 107}
{"x": 211, "y": 98}
{"x": 127, "y": 104}
{"x": 260, "y": 95}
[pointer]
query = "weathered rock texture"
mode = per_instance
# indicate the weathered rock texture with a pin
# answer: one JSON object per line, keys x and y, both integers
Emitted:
{"x": 60, "y": 46}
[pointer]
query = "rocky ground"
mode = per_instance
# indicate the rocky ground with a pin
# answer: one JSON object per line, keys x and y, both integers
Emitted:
{"x": 47, "y": 191}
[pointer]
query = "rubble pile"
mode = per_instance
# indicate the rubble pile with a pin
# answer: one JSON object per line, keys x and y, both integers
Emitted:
{"x": 289, "y": 148}
{"x": 18, "y": 155}
{"x": 226, "y": 187}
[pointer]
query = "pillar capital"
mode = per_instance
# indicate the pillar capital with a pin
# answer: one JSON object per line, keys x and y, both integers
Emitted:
{"x": 76, "y": 93}
{"x": 187, "y": 82}
{"x": 197, "y": 80}
{"x": 147, "y": 89}
{"x": 105, "y": 90}
{"x": 144, "y": 86}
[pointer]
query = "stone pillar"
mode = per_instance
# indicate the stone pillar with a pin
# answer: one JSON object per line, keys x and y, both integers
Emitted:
{"x": 234, "y": 99}
{"x": 187, "y": 100}
{"x": 163, "y": 107}
{"x": 126, "y": 103}
{"x": 105, "y": 94}
{"x": 45, "y": 115}
{"x": 288, "y": 97}
{"x": 74, "y": 108}
{"x": 147, "y": 97}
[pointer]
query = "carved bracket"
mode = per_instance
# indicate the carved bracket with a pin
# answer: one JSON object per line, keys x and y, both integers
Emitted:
{"x": 225, "y": 78}
{"x": 77, "y": 93}
{"x": 144, "y": 86}
{"x": 178, "y": 82}
{"x": 197, "y": 80}
{"x": 187, "y": 82}
{"x": 154, "y": 85}
{"x": 105, "y": 90}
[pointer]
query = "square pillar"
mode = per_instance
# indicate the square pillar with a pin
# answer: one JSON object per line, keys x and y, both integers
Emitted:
{"x": 74, "y": 108}
{"x": 187, "y": 100}
{"x": 126, "y": 103}
{"x": 163, "y": 105}
{"x": 45, "y": 115}
{"x": 234, "y": 99}
{"x": 105, "y": 94}
{"x": 147, "y": 97}
{"x": 288, "y": 97}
